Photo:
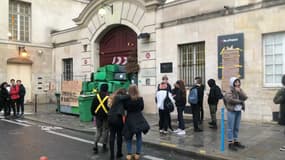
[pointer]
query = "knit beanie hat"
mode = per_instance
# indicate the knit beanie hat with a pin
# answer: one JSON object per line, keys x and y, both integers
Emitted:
{"x": 104, "y": 88}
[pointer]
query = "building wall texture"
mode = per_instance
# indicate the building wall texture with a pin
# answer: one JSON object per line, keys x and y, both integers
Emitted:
{"x": 169, "y": 24}
{"x": 46, "y": 17}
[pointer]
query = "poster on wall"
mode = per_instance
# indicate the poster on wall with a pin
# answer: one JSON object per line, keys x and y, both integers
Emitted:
{"x": 230, "y": 56}
{"x": 70, "y": 90}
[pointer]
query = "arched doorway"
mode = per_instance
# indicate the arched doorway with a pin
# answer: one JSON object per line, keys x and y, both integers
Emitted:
{"x": 117, "y": 45}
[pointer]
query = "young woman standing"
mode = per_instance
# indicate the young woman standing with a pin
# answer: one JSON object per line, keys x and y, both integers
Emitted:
{"x": 115, "y": 120}
{"x": 179, "y": 93}
{"x": 135, "y": 122}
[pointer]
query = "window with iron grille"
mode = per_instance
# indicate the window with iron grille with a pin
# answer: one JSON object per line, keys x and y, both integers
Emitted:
{"x": 192, "y": 62}
{"x": 19, "y": 21}
{"x": 67, "y": 69}
{"x": 273, "y": 50}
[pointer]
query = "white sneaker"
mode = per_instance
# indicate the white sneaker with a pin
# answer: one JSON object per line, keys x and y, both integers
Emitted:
{"x": 282, "y": 148}
{"x": 177, "y": 130}
{"x": 182, "y": 132}
{"x": 161, "y": 131}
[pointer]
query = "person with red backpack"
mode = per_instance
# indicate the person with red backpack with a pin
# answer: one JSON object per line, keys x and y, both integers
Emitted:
{"x": 14, "y": 95}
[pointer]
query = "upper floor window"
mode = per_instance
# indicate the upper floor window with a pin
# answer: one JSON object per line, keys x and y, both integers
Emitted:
{"x": 19, "y": 21}
{"x": 274, "y": 59}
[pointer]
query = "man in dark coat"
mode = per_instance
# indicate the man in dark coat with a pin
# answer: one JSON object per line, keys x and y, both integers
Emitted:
{"x": 280, "y": 99}
{"x": 196, "y": 108}
{"x": 201, "y": 89}
{"x": 213, "y": 99}
{"x": 4, "y": 98}
{"x": 20, "y": 103}
{"x": 100, "y": 110}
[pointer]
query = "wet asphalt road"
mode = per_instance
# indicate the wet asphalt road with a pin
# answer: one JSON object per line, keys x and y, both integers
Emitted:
{"x": 25, "y": 140}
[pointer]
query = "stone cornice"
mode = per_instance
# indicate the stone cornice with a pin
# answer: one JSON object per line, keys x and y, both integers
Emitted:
{"x": 152, "y": 4}
{"x": 222, "y": 12}
{"x": 93, "y": 6}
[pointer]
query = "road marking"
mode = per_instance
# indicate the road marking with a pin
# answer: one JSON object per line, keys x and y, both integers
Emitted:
{"x": 22, "y": 121}
{"x": 14, "y": 122}
{"x": 72, "y": 137}
{"x": 25, "y": 113}
{"x": 152, "y": 157}
{"x": 202, "y": 151}
{"x": 168, "y": 144}
{"x": 48, "y": 128}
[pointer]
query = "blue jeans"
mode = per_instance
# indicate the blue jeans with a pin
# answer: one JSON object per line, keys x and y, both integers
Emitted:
{"x": 180, "y": 118}
{"x": 233, "y": 125}
{"x": 138, "y": 141}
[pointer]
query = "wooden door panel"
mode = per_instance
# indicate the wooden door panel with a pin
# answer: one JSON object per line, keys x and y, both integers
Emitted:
{"x": 116, "y": 45}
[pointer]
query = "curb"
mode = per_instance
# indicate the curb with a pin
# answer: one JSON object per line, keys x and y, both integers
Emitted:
{"x": 189, "y": 153}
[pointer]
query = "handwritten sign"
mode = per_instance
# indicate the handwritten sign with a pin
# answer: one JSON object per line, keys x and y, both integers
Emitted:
{"x": 231, "y": 66}
{"x": 70, "y": 90}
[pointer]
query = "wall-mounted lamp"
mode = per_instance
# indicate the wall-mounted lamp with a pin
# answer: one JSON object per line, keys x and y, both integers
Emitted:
{"x": 22, "y": 51}
{"x": 102, "y": 11}
{"x": 143, "y": 36}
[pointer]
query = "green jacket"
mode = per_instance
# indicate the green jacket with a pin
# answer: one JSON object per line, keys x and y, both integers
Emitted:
{"x": 280, "y": 99}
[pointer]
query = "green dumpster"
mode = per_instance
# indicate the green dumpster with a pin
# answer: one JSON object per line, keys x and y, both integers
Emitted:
{"x": 85, "y": 102}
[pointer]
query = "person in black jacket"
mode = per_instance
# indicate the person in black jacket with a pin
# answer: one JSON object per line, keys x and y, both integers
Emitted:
{"x": 201, "y": 89}
{"x": 4, "y": 98}
{"x": 135, "y": 122}
{"x": 115, "y": 119}
{"x": 179, "y": 93}
{"x": 214, "y": 96}
{"x": 99, "y": 109}
{"x": 20, "y": 102}
{"x": 197, "y": 106}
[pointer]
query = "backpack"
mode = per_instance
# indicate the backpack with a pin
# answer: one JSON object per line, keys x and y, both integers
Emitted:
{"x": 220, "y": 94}
{"x": 167, "y": 103}
{"x": 193, "y": 96}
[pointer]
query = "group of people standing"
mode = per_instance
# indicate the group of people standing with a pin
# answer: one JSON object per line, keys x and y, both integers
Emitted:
{"x": 121, "y": 115}
{"x": 12, "y": 98}
{"x": 178, "y": 96}
{"x": 234, "y": 100}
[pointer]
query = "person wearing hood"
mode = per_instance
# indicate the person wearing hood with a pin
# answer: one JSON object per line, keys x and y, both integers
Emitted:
{"x": 234, "y": 101}
{"x": 214, "y": 96}
{"x": 4, "y": 98}
{"x": 280, "y": 99}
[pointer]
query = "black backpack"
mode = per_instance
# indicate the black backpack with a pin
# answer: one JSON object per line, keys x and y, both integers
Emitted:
{"x": 168, "y": 105}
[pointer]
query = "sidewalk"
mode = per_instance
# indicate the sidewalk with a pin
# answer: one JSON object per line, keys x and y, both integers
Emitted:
{"x": 263, "y": 140}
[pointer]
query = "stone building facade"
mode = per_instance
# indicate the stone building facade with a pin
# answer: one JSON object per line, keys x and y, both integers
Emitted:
{"x": 27, "y": 25}
{"x": 177, "y": 38}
